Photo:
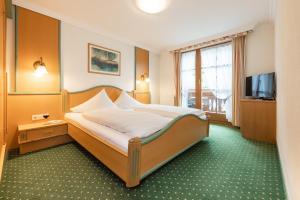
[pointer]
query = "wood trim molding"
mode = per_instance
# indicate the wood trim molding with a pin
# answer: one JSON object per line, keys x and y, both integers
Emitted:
{"x": 2, "y": 159}
{"x": 134, "y": 162}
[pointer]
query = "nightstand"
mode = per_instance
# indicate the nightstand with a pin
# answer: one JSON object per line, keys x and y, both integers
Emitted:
{"x": 37, "y": 136}
{"x": 143, "y": 97}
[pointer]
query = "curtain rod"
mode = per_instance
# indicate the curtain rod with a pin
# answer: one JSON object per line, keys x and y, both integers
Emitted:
{"x": 221, "y": 40}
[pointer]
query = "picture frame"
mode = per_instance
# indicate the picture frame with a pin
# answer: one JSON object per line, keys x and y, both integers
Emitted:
{"x": 102, "y": 60}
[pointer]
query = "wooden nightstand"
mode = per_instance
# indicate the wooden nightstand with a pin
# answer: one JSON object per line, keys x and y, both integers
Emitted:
{"x": 143, "y": 97}
{"x": 38, "y": 136}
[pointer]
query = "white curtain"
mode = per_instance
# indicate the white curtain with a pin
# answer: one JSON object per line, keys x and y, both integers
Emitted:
{"x": 187, "y": 77}
{"x": 217, "y": 74}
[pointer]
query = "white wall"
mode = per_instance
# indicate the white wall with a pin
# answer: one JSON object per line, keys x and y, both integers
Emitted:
{"x": 74, "y": 59}
{"x": 167, "y": 75}
{"x": 10, "y": 54}
{"x": 260, "y": 49}
{"x": 288, "y": 93}
{"x": 154, "y": 77}
{"x": 259, "y": 59}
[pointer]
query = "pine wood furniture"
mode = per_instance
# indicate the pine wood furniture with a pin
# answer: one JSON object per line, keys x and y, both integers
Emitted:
{"x": 258, "y": 120}
{"x": 31, "y": 45}
{"x": 3, "y": 91}
{"x": 141, "y": 68}
{"x": 143, "y": 97}
{"x": 144, "y": 154}
{"x": 38, "y": 136}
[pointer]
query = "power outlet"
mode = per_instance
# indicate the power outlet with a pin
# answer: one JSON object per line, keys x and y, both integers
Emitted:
{"x": 39, "y": 116}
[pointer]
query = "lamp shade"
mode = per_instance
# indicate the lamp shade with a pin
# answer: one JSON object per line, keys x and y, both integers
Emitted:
{"x": 152, "y": 6}
{"x": 40, "y": 68}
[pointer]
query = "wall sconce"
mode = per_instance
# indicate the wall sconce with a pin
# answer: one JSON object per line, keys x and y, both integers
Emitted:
{"x": 40, "y": 68}
{"x": 144, "y": 77}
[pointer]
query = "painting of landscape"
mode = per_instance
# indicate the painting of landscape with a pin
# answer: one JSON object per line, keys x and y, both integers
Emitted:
{"x": 103, "y": 60}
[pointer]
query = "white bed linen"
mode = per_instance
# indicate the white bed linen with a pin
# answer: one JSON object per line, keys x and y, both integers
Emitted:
{"x": 112, "y": 136}
{"x": 129, "y": 122}
{"x": 100, "y": 100}
{"x": 169, "y": 111}
{"x": 127, "y": 102}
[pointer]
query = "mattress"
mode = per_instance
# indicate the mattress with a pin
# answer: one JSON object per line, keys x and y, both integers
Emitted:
{"x": 112, "y": 136}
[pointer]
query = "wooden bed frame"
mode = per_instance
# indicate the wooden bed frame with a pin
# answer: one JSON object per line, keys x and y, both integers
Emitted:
{"x": 144, "y": 155}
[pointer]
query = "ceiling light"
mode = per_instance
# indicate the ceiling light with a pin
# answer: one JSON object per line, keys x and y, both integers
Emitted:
{"x": 152, "y": 6}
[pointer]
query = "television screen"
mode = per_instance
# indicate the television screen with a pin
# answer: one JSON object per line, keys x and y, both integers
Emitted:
{"x": 261, "y": 86}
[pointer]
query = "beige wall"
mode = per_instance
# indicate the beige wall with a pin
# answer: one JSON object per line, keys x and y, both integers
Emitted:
{"x": 154, "y": 77}
{"x": 259, "y": 59}
{"x": 10, "y": 54}
{"x": 260, "y": 49}
{"x": 288, "y": 103}
{"x": 167, "y": 74}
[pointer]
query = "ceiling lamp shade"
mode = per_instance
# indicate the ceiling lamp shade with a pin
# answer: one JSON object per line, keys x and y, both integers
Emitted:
{"x": 152, "y": 6}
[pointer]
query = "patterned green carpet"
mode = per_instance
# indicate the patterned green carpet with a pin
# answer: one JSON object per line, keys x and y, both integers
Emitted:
{"x": 224, "y": 166}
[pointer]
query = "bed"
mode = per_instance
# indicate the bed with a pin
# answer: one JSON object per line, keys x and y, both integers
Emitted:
{"x": 132, "y": 159}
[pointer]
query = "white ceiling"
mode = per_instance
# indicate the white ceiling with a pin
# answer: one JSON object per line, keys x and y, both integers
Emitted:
{"x": 184, "y": 21}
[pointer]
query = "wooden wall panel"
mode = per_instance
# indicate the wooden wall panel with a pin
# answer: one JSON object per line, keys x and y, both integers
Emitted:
{"x": 37, "y": 36}
{"x": 141, "y": 67}
{"x": 20, "y": 108}
{"x": 2, "y": 71}
{"x": 2, "y": 85}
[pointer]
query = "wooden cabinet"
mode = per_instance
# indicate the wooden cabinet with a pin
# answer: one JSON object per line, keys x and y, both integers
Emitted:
{"x": 258, "y": 120}
{"x": 38, "y": 136}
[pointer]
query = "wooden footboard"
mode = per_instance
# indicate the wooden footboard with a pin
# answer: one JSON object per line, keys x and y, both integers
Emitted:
{"x": 178, "y": 136}
{"x": 113, "y": 158}
{"x": 152, "y": 152}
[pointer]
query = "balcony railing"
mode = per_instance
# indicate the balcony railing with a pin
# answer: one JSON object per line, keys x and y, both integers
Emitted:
{"x": 210, "y": 101}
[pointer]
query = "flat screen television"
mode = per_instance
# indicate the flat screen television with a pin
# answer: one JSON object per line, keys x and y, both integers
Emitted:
{"x": 261, "y": 86}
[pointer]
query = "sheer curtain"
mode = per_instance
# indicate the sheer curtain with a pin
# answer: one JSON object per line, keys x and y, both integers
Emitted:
{"x": 217, "y": 78}
{"x": 188, "y": 78}
{"x": 177, "y": 58}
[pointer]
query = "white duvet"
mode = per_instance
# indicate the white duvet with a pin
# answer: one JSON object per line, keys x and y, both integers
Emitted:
{"x": 132, "y": 123}
{"x": 127, "y": 102}
{"x": 169, "y": 111}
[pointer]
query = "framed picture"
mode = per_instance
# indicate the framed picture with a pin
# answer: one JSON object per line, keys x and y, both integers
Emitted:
{"x": 103, "y": 60}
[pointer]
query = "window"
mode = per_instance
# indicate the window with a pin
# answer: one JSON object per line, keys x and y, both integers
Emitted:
{"x": 188, "y": 79}
{"x": 216, "y": 77}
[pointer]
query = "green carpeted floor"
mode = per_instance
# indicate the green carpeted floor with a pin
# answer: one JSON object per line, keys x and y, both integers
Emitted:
{"x": 223, "y": 166}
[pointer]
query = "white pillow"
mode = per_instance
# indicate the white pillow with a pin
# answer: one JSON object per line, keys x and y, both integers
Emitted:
{"x": 100, "y": 100}
{"x": 126, "y": 102}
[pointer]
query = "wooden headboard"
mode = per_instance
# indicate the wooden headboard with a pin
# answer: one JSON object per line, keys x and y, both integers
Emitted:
{"x": 71, "y": 99}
